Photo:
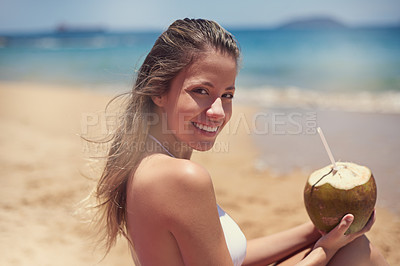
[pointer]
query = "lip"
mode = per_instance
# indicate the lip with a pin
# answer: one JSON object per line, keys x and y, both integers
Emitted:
{"x": 206, "y": 129}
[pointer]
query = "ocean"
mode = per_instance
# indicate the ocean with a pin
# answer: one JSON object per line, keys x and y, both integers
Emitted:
{"x": 339, "y": 60}
{"x": 294, "y": 76}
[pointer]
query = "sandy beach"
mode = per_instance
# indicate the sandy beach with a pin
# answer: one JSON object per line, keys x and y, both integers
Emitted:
{"x": 43, "y": 164}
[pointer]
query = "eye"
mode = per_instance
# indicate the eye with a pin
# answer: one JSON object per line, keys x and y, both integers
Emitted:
{"x": 228, "y": 95}
{"x": 201, "y": 91}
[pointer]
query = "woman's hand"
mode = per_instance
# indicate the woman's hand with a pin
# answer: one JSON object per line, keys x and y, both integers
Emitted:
{"x": 327, "y": 246}
{"x": 336, "y": 239}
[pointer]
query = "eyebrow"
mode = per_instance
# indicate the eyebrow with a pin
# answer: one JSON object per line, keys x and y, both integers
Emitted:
{"x": 209, "y": 84}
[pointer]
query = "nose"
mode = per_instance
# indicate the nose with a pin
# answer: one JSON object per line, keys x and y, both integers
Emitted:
{"x": 216, "y": 110}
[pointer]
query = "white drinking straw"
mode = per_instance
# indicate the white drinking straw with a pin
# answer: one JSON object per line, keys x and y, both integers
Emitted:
{"x": 328, "y": 150}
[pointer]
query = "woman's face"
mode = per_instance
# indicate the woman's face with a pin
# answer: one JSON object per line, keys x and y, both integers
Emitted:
{"x": 199, "y": 101}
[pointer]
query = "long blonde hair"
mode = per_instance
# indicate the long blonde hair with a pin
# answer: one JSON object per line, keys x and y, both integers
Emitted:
{"x": 174, "y": 49}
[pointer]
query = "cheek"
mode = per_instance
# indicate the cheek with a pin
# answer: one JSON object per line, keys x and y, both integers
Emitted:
{"x": 180, "y": 113}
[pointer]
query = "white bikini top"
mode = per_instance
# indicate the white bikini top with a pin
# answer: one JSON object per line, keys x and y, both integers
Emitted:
{"x": 234, "y": 237}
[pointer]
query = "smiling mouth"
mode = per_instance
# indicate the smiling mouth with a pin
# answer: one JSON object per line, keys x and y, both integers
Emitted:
{"x": 206, "y": 128}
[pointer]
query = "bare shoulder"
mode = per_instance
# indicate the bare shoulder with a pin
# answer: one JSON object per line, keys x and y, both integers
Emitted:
{"x": 168, "y": 182}
{"x": 177, "y": 196}
{"x": 159, "y": 170}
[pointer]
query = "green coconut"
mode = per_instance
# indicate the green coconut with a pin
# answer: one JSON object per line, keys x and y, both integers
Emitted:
{"x": 330, "y": 194}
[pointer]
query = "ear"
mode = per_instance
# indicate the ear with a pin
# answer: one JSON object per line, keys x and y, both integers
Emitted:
{"x": 159, "y": 100}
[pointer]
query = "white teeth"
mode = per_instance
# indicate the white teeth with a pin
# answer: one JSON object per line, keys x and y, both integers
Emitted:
{"x": 205, "y": 128}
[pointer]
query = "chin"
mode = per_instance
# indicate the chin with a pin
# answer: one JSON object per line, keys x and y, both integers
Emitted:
{"x": 203, "y": 145}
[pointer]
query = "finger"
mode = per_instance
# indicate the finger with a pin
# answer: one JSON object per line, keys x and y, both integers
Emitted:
{"x": 370, "y": 222}
{"x": 322, "y": 232}
{"x": 344, "y": 224}
{"x": 366, "y": 228}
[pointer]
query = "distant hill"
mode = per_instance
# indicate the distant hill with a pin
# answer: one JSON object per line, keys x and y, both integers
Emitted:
{"x": 313, "y": 23}
{"x": 66, "y": 29}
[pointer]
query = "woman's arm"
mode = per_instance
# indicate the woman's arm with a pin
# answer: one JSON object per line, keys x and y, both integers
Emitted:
{"x": 275, "y": 247}
{"x": 327, "y": 246}
{"x": 193, "y": 220}
{"x": 268, "y": 249}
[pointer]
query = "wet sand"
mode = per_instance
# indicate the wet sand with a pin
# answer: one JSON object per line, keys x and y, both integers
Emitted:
{"x": 42, "y": 178}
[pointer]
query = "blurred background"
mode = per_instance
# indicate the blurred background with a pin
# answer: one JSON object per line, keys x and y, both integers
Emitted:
{"x": 310, "y": 55}
{"x": 333, "y": 64}
{"x": 311, "y": 45}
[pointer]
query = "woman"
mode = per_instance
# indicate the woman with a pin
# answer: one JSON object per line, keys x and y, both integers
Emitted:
{"x": 164, "y": 203}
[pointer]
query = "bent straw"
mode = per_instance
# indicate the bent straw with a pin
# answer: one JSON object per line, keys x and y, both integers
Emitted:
{"x": 328, "y": 150}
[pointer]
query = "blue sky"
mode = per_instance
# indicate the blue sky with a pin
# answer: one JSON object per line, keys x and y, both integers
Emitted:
{"x": 37, "y": 15}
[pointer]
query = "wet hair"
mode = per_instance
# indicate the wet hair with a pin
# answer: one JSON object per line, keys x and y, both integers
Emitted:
{"x": 174, "y": 49}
